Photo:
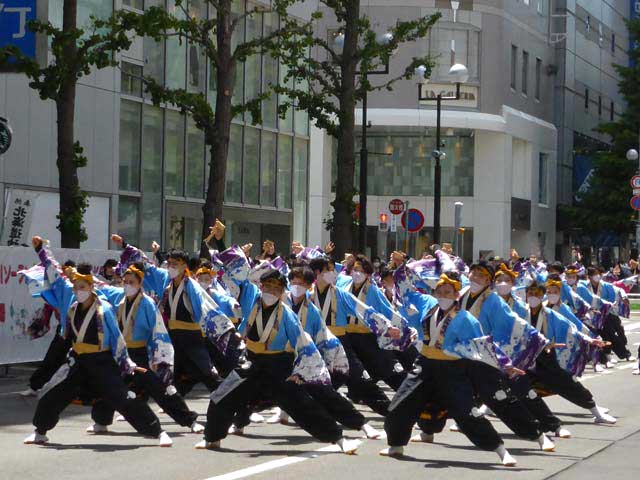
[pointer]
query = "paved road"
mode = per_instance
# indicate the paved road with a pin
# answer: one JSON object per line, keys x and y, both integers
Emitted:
{"x": 281, "y": 452}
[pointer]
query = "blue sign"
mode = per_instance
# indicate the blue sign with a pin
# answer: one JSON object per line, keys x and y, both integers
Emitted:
{"x": 14, "y": 16}
{"x": 634, "y": 15}
{"x": 416, "y": 220}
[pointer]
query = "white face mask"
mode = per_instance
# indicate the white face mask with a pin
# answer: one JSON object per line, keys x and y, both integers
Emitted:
{"x": 330, "y": 277}
{"x": 503, "y": 288}
{"x": 298, "y": 290}
{"x": 130, "y": 290}
{"x": 596, "y": 278}
{"x": 82, "y": 295}
{"x": 173, "y": 272}
{"x": 445, "y": 303}
{"x": 358, "y": 277}
{"x": 204, "y": 285}
{"x": 553, "y": 298}
{"x": 475, "y": 287}
{"x": 572, "y": 281}
{"x": 534, "y": 301}
{"x": 269, "y": 299}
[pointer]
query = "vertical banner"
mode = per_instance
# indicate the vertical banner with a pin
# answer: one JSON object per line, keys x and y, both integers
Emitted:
{"x": 17, "y": 221}
{"x": 19, "y": 310}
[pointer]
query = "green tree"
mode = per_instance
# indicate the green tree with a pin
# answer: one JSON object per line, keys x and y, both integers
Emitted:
{"x": 604, "y": 206}
{"x": 74, "y": 52}
{"x": 214, "y": 36}
{"x": 329, "y": 86}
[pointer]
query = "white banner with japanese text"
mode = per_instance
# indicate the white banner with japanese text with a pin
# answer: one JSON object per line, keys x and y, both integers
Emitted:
{"x": 18, "y": 309}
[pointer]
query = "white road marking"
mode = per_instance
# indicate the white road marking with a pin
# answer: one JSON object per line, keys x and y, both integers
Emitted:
{"x": 272, "y": 465}
{"x": 632, "y": 326}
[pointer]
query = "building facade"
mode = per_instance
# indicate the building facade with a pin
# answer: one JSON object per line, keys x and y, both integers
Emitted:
{"x": 501, "y": 139}
{"x": 591, "y": 37}
{"x": 148, "y": 166}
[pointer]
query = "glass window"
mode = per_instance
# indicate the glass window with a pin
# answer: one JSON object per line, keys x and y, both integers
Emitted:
{"x": 285, "y": 146}
{"x": 195, "y": 160}
{"x": 514, "y": 65}
{"x": 407, "y": 167}
{"x": 525, "y": 72}
{"x": 448, "y": 45}
{"x": 253, "y": 63}
{"x": 128, "y": 219}
{"x": 174, "y": 153}
{"x": 286, "y": 123}
{"x": 101, "y": 9}
{"x": 153, "y": 60}
{"x": 197, "y": 60}
{"x": 151, "y": 202}
{"x": 176, "y": 54}
{"x": 130, "y": 79}
{"x": 542, "y": 178}
{"x": 268, "y": 169}
{"x": 237, "y": 38}
{"x": 538, "y": 77}
{"x": 300, "y": 169}
{"x": 251, "y": 166}
{"x": 130, "y": 126}
{"x": 301, "y": 116}
{"x": 137, "y": 4}
{"x": 270, "y": 76}
{"x": 233, "y": 185}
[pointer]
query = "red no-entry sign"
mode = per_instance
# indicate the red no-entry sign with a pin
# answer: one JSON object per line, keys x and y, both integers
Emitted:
{"x": 396, "y": 206}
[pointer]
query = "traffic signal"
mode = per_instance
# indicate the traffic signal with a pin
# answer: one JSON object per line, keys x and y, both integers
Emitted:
{"x": 383, "y": 226}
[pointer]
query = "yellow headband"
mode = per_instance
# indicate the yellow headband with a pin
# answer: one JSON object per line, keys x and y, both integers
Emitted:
{"x": 205, "y": 271}
{"x": 553, "y": 283}
{"x": 136, "y": 271}
{"x": 504, "y": 270}
{"x": 571, "y": 271}
{"x": 87, "y": 278}
{"x": 444, "y": 280}
{"x": 483, "y": 270}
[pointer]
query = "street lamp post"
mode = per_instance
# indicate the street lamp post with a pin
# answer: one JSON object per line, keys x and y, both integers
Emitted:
{"x": 460, "y": 75}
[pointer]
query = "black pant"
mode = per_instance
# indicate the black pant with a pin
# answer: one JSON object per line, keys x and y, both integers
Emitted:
{"x": 406, "y": 357}
{"x": 613, "y": 331}
{"x": 523, "y": 387}
{"x": 55, "y": 357}
{"x": 192, "y": 363}
{"x": 445, "y": 383}
{"x": 493, "y": 389}
{"x": 362, "y": 388}
{"x": 552, "y": 377}
{"x": 380, "y": 364}
{"x": 339, "y": 407}
{"x": 101, "y": 375}
{"x": 147, "y": 385}
{"x": 267, "y": 375}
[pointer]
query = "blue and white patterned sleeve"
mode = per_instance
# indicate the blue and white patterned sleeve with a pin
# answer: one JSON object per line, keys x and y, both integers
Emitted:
{"x": 114, "y": 340}
{"x": 308, "y": 364}
{"x": 159, "y": 346}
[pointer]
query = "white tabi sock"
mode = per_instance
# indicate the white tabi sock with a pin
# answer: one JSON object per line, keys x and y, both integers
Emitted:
{"x": 546, "y": 445}
{"x": 505, "y": 457}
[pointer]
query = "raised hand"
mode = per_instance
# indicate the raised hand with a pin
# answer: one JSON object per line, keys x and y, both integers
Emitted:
{"x": 36, "y": 241}
{"x": 329, "y": 247}
{"x": 155, "y": 246}
{"x": 117, "y": 239}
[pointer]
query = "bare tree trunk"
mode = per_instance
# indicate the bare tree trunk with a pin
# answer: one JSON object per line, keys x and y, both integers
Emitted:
{"x": 218, "y": 138}
{"x": 343, "y": 203}
{"x": 70, "y": 224}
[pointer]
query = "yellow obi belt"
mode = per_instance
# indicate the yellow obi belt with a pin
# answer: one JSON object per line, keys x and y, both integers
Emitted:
{"x": 357, "y": 328}
{"x": 433, "y": 353}
{"x": 337, "y": 331}
{"x": 260, "y": 348}
{"x": 136, "y": 343}
{"x": 180, "y": 325}
{"x": 82, "y": 348}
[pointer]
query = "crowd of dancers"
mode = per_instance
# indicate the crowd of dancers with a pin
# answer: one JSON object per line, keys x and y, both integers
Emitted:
{"x": 452, "y": 341}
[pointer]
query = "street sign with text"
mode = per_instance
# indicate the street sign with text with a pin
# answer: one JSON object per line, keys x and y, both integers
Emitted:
{"x": 396, "y": 206}
{"x": 14, "y": 17}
